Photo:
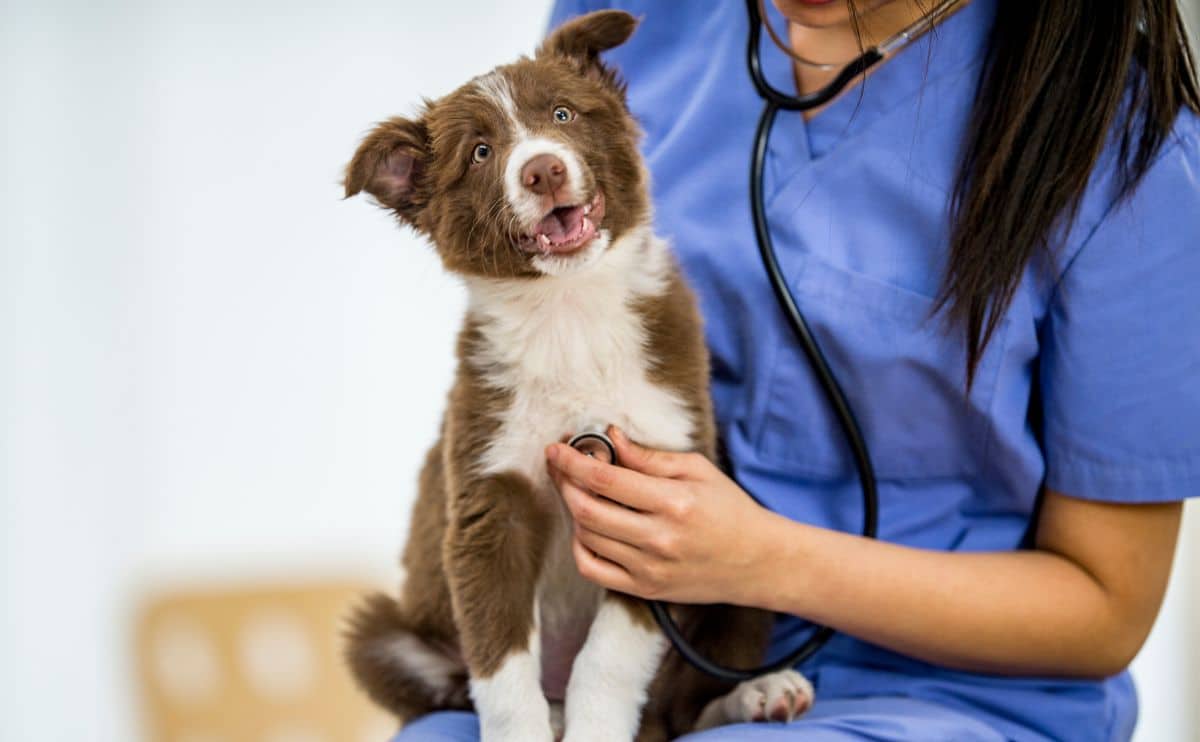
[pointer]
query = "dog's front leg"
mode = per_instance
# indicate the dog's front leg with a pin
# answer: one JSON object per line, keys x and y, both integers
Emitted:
{"x": 612, "y": 672}
{"x": 493, "y": 554}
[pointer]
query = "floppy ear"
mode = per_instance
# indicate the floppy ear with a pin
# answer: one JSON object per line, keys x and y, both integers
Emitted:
{"x": 581, "y": 40}
{"x": 390, "y": 165}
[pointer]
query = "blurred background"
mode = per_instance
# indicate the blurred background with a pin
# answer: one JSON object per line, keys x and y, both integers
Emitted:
{"x": 217, "y": 379}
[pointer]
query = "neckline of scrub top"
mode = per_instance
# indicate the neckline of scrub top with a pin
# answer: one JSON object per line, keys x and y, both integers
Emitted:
{"x": 952, "y": 46}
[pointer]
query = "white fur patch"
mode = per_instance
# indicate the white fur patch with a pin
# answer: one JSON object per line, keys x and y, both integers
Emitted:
{"x": 573, "y": 353}
{"x": 496, "y": 88}
{"x": 510, "y": 703}
{"x": 611, "y": 677}
{"x": 529, "y": 207}
{"x": 435, "y": 669}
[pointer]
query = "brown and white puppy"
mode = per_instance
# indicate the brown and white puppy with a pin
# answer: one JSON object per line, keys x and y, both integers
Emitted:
{"x": 528, "y": 182}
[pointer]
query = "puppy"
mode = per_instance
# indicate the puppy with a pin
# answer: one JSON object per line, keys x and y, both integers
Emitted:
{"x": 528, "y": 182}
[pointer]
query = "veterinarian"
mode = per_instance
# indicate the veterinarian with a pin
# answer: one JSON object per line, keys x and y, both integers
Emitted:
{"x": 996, "y": 238}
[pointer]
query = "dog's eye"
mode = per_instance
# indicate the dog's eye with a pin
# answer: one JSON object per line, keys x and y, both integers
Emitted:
{"x": 481, "y": 153}
{"x": 563, "y": 115}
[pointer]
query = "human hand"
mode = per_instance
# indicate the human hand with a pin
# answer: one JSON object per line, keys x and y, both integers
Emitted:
{"x": 663, "y": 525}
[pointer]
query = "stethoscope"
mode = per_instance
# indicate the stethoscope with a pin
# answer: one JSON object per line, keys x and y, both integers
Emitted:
{"x": 597, "y": 444}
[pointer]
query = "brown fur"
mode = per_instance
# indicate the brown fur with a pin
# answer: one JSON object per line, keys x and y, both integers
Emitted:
{"x": 673, "y": 325}
{"x": 477, "y": 543}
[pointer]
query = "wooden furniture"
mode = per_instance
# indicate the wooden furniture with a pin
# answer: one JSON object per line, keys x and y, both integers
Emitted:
{"x": 252, "y": 664}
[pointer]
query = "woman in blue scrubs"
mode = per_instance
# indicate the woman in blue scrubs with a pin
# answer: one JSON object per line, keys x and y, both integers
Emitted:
{"x": 1021, "y": 346}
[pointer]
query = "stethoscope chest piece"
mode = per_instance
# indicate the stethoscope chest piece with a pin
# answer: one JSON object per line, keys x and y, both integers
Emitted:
{"x": 596, "y": 445}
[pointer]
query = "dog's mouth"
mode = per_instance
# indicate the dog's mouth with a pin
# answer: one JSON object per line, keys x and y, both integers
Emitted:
{"x": 565, "y": 229}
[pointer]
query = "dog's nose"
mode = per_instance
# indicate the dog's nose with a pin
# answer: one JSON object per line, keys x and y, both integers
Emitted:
{"x": 543, "y": 174}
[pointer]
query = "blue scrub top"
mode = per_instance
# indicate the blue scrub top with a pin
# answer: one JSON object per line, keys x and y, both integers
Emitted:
{"x": 857, "y": 200}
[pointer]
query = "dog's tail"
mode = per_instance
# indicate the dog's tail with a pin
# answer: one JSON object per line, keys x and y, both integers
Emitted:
{"x": 399, "y": 669}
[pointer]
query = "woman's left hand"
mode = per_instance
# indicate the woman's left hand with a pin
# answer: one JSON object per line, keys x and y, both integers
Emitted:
{"x": 662, "y": 525}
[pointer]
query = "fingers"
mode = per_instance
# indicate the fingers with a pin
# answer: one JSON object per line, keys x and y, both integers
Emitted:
{"x": 650, "y": 461}
{"x": 600, "y": 570}
{"x": 619, "y": 566}
{"x": 620, "y": 553}
{"x": 619, "y": 484}
{"x": 604, "y": 516}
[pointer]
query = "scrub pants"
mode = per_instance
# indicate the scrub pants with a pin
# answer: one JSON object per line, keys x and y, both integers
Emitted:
{"x": 884, "y": 719}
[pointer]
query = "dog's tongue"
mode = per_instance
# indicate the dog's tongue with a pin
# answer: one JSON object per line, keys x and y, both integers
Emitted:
{"x": 562, "y": 225}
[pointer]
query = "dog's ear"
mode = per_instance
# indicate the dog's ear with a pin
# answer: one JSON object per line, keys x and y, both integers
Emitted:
{"x": 390, "y": 164}
{"x": 580, "y": 40}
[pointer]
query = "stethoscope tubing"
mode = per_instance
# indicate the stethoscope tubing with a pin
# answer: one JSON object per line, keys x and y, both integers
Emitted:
{"x": 774, "y": 101}
{"x": 776, "y": 97}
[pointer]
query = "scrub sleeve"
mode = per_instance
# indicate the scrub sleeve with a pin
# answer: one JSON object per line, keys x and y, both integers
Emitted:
{"x": 1120, "y": 364}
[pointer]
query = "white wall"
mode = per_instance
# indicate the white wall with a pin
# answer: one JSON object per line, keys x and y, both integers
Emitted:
{"x": 211, "y": 366}
{"x": 1168, "y": 669}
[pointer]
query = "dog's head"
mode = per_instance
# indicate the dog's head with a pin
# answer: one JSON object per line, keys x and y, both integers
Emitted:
{"x": 528, "y": 170}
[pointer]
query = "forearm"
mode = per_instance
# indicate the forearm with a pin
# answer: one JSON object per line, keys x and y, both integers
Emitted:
{"x": 672, "y": 527}
{"x": 1021, "y": 612}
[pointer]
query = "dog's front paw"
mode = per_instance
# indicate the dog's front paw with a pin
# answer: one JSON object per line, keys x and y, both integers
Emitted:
{"x": 778, "y": 696}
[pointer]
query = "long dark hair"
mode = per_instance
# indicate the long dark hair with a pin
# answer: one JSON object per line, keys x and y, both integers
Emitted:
{"x": 1059, "y": 78}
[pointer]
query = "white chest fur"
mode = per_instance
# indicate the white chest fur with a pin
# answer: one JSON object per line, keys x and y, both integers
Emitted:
{"x": 573, "y": 353}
